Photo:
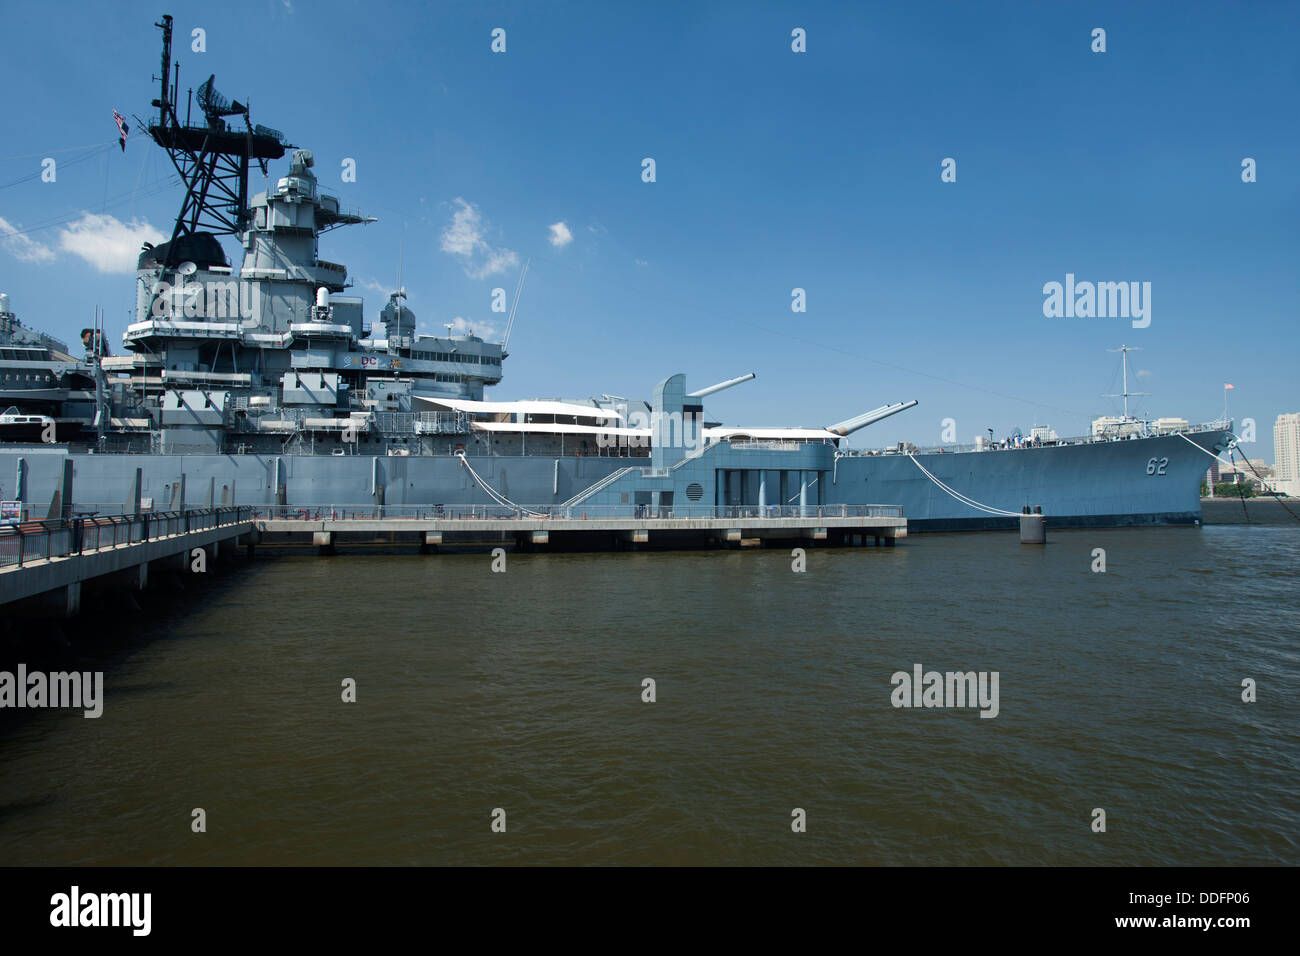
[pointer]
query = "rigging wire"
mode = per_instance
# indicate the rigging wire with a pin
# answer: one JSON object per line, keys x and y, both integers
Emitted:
{"x": 150, "y": 189}
{"x": 92, "y": 154}
{"x": 786, "y": 336}
{"x": 66, "y": 149}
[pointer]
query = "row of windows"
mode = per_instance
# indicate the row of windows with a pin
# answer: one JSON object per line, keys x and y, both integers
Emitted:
{"x": 456, "y": 357}
{"x": 29, "y": 377}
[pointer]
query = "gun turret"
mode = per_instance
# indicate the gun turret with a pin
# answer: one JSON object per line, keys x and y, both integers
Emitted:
{"x": 720, "y": 386}
{"x": 850, "y": 425}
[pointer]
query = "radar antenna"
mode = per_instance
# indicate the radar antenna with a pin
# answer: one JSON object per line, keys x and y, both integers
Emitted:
{"x": 211, "y": 159}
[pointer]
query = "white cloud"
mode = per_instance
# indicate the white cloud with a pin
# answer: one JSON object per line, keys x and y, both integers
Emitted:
{"x": 376, "y": 287}
{"x": 484, "y": 330}
{"x": 560, "y": 235}
{"x": 1144, "y": 373}
{"x": 23, "y": 248}
{"x": 641, "y": 262}
{"x": 464, "y": 239}
{"x": 107, "y": 243}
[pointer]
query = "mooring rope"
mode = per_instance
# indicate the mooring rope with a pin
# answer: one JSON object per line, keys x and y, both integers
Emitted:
{"x": 1263, "y": 483}
{"x": 493, "y": 493}
{"x": 964, "y": 499}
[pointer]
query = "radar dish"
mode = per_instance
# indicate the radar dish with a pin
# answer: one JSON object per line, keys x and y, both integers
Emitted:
{"x": 215, "y": 105}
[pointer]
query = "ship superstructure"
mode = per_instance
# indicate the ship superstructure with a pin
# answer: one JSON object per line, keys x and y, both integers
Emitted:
{"x": 276, "y": 356}
{"x": 40, "y": 378}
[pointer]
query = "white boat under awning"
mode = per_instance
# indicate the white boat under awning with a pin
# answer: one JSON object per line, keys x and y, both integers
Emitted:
{"x": 559, "y": 428}
{"x": 528, "y": 407}
{"x": 771, "y": 434}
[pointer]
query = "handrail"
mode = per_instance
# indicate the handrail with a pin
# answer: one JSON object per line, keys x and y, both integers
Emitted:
{"x": 41, "y": 539}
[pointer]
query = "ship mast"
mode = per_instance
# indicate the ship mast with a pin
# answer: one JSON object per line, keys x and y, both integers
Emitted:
{"x": 1125, "y": 349}
{"x": 212, "y": 159}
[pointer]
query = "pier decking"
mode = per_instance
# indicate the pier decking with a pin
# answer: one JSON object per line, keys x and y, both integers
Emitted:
{"x": 599, "y": 529}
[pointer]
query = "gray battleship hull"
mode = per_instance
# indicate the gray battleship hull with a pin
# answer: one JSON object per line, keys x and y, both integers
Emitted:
{"x": 1148, "y": 481}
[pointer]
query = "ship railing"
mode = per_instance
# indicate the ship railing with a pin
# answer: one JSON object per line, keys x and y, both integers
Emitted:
{"x": 441, "y": 423}
{"x": 1145, "y": 430}
{"x": 757, "y": 445}
{"x": 367, "y": 511}
{"x": 26, "y": 542}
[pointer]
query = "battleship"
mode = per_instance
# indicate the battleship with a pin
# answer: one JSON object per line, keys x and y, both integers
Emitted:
{"x": 270, "y": 385}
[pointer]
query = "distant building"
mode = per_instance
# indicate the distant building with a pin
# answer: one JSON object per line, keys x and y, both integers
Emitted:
{"x": 1286, "y": 453}
{"x": 1248, "y": 472}
{"x": 1167, "y": 426}
{"x": 1112, "y": 427}
{"x": 1042, "y": 433}
{"x": 1212, "y": 477}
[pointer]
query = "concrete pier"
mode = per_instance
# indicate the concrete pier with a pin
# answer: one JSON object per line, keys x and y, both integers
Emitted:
{"x": 49, "y": 561}
{"x": 582, "y": 533}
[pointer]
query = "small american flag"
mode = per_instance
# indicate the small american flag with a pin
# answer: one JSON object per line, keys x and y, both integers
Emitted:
{"x": 122, "y": 129}
{"x": 1227, "y": 386}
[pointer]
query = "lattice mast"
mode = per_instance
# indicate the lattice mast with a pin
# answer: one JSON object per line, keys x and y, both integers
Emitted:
{"x": 212, "y": 159}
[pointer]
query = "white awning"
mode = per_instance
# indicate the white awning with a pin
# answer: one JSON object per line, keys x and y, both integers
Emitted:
{"x": 546, "y": 428}
{"x": 530, "y": 407}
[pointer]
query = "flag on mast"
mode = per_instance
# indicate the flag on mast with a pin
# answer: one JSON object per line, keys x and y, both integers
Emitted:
{"x": 122, "y": 129}
{"x": 1226, "y": 385}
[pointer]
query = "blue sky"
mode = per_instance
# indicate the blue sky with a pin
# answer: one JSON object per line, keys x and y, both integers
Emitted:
{"x": 775, "y": 170}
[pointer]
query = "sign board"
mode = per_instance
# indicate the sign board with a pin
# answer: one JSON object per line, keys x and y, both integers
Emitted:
{"x": 11, "y": 512}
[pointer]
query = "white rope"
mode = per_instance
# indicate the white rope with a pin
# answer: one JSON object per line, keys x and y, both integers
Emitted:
{"x": 964, "y": 499}
{"x": 493, "y": 493}
{"x": 1205, "y": 450}
{"x": 1262, "y": 481}
{"x": 969, "y": 502}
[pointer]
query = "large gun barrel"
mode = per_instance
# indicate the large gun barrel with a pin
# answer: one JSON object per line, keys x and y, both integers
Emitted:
{"x": 720, "y": 386}
{"x": 850, "y": 425}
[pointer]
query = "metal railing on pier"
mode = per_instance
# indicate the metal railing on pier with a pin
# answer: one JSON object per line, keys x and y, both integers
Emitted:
{"x": 42, "y": 539}
{"x": 579, "y": 512}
